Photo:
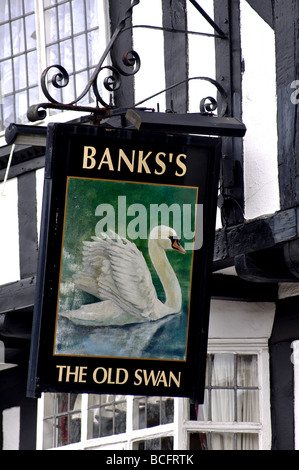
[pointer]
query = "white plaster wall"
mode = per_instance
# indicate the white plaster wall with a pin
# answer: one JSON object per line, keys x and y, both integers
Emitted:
{"x": 236, "y": 320}
{"x": 9, "y": 232}
{"x": 39, "y": 196}
{"x": 11, "y": 428}
{"x": 149, "y": 45}
{"x": 259, "y": 115}
{"x": 201, "y": 55}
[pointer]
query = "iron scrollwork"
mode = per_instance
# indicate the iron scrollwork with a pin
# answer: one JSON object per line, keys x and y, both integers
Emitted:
{"x": 112, "y": 82}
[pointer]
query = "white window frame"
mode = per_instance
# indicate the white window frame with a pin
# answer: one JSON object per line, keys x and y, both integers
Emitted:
{"x": 182, "y": 425}
{"x": 263, "y": 428}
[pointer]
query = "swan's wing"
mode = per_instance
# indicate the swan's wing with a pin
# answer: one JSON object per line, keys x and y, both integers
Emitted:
{"x": 114, "y": 269}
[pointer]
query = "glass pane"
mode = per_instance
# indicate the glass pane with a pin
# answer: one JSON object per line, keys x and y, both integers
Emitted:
{"x": 68, "y": 92}
{"x": 167, "y": 411}
{"x": 62, "y": 403}
{"x": 53, "y": 55}
{"x": 106, "y": 421}
{"x": 222, "y": 441}
{"x": 29, "y": 6}
{"x": 5, "y": 50}
{"x": 93, "y": 400}
{"x": 222, "y": 405}
{"x": 91, "y": 9}
{"x": 48, "y": 441}
{"x": 51, "y": 25}
{"x": 78, "y": 16}
{"x": 198, "y": 441}
{"x": 75, "y": 402}
{"x": 62, "y": 431}
{"x": 8, "y": 110}
{"x": 248, "y": 405}
{"x": 48, "y": 3}
{"x": 247, "y": 442}
{"x": 74, "y": 428}
{"x": 93, "y": 423}
{"x": 66, "y": 53}
{"x": 201, "y": 412}
{"x": 33, "y": 95}
{"x": 6, "y": 77}
{"x": 153, "y": 412}
{"x": 18, "y": 37}
{"x": 81, "y": 55}
{"x": 20, "y": 72}
{"x": 222, "y": 370}
{"x": 247, "y": 373}
{"x": 93, "y": 52}
{"x": 120, "y": 418}
{"x": 64, "y": 21}
{"x": 32, "y": 68}
{"x": 21, "y": 106}
{"x": 163, "y": 443}
{"x": 81, "y": 81}
{"x": 16, "y": 8}
{"x": 4, "y": 11}
{"x": 30, "y": 32}
{"x": 49, "y": 400}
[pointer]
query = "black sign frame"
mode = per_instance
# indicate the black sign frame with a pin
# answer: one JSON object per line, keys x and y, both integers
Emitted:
{"x": 78, "y": 154}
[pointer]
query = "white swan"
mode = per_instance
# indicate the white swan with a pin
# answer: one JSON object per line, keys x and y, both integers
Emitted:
{"x": 115, "y": 271}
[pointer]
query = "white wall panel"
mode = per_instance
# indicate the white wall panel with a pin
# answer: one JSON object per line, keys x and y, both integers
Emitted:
{"x": 9, "y": 232}
{"x": 259, "y": 115}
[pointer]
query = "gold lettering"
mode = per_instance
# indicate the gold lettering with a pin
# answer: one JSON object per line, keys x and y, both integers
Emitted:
{"x": 126, "y": 376}
{"x": 162, "y": 378}
{"x": 142, "y": 162}
{"x": 106, "y": 159}
{"x": 160, "y": 163}
{"x": 123, "y": 156}
{"x": 137, "y": 375}
{"x": 81, "y": 374}
{"x": 109, "y": 376}
{"x": 95, "y": 375}
{"x": 181, "y": 164}
{"x": 88, "y": 160}
{"x": 176, "y": 380}
{"x": 60, "y": 372}
{"x": 69, "y": 373}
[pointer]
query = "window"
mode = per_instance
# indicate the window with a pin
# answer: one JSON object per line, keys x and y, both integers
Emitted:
{"x": 18, "y": 60}
{"x": 71, "y": 40}
{"x": 106, "y": 415}
{"x": 235, "y": 414}
{"x": 232, "y": 396}
{"x": 36, "y": 34}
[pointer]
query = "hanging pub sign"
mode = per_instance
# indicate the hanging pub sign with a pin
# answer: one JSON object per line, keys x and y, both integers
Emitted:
{"x": 126, "y": 246}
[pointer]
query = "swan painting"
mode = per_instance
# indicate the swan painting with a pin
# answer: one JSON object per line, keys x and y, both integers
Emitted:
{"x": 115, "y": 271}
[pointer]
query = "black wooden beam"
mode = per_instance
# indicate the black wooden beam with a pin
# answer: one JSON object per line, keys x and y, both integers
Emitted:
{"x": 27, "y": 218}
{"x": 229, "y": 287}
{"x": 190, "y": 123}
{"x": 22, "y": 154}
{"x": 228, "y": 74}
{"x": 17, "y": 295}
{"x": 256, "y": 235}
{"x": 264, "y": 9}
{"x": 124, "y": 96}
{"x": 286, "y": 14}
{"x": 175, "y": 54}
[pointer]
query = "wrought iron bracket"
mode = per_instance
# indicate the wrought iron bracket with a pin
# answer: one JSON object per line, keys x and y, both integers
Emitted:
{"x": 131, "y": 61}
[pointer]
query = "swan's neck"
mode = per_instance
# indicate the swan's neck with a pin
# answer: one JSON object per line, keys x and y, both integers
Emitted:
{"x": 167, "y": 276}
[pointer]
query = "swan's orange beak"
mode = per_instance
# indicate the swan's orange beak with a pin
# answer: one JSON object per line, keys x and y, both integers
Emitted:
{"x": 177, "y": 246}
